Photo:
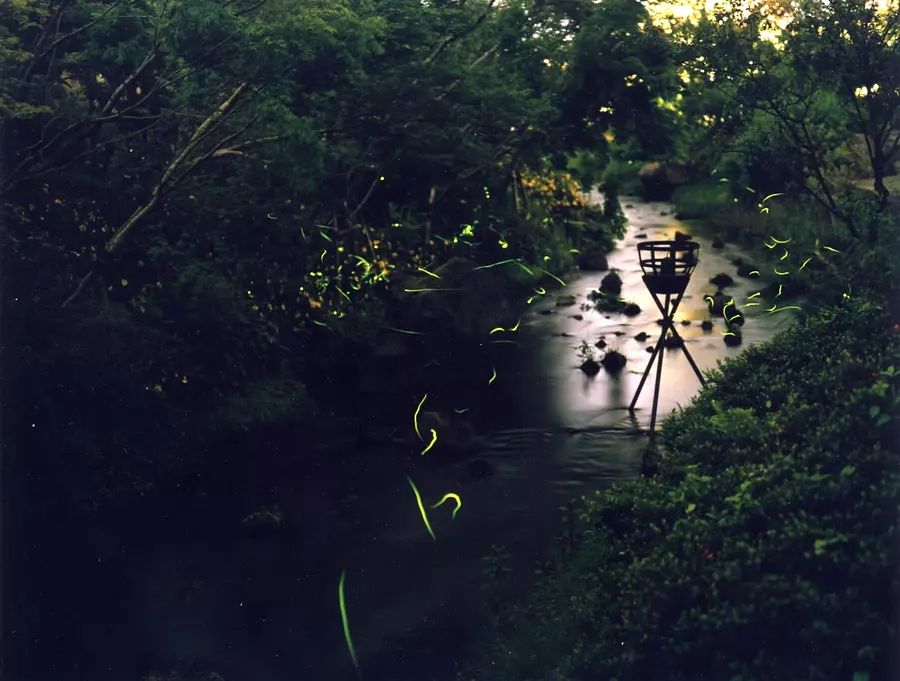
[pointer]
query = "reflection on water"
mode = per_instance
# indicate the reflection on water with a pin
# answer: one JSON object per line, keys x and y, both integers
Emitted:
{"x": 557, "y": 394}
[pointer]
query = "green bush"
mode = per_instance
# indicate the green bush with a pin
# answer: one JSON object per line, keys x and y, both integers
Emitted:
{"x": 623, "y": 176}
{"x": 701, "y": 201}
{"x": 763, "y": 551}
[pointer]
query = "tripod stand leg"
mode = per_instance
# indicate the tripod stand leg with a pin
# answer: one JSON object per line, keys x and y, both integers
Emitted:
{"x": 658, "y": 376}
{"x": 656, "y": 349}
{"x": 693, "y": 365}
{"x": 688, "y": 355}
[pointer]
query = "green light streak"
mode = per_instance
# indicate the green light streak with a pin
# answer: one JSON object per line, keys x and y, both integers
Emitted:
{"x": 553, "y": 276}
{"x": 433, "y": 440}
{"x": 345, "y": 623}
{"x": 494, "y": 377}
{"x": 502, "y": 262}
{"x": 430, "y": 274}
{"x": 423, "y": 290}
{"x": 410, "y": 333}
{"x": 416, "y": 418}
{"x": 455, "y": 497}
{"x": 422, "y": 508}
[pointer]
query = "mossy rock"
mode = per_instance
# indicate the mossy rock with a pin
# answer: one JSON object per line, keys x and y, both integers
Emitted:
{"x": 682, "y": 237}
{"x": 707, "y": 325}
{"x": 600, "y": 344}
{"x": 640, "y": 236}
{"x": 611, "y": 283}
{"x": 641, "y": 337}
{"x": 718, "y": 243}
{"x": 631, "y": 309}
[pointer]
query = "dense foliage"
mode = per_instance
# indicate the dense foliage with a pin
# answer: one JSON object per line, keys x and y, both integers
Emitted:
{"x": 253, "y": 178}
{"x": 764, "y": 549}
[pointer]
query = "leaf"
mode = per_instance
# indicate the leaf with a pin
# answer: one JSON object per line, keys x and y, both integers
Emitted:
{"x": 884, "y": 418}
{"x": 874, "y": 410}
{"x": 690, "y": 508}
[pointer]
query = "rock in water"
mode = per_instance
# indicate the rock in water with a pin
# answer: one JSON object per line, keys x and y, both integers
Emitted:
{"x": 613, "y": 361}
{"x": 590, "y": 367}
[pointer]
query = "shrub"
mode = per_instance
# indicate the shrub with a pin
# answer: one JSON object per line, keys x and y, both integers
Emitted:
{"x": 763, "y": 549}
{"x": 623, "y": 176}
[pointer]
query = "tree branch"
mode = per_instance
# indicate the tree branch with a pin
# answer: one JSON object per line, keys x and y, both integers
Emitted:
{"x": 79, "y": 29}
{"x": 459, "y": 34}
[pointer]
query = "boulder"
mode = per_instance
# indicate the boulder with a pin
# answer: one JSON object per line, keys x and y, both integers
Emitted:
{"x": 592, "y": 261}
{"x": 611, "y": 283}
{"x": 660, "y": 180}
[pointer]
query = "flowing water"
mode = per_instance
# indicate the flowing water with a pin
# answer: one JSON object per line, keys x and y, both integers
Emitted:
{"x": 267, "y": 609}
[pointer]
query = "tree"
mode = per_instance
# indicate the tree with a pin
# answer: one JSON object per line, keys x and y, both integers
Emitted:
{"x": 796, "y": 67}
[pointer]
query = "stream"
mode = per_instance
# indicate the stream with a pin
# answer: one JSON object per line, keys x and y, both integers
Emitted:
{"x": 266, "y": 609}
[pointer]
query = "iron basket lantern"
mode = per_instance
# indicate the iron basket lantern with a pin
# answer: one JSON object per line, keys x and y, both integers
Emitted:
{"x": 667, "y": 267}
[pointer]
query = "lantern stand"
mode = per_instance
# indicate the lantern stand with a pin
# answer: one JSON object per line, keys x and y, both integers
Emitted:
{"x": 667, "y": 267}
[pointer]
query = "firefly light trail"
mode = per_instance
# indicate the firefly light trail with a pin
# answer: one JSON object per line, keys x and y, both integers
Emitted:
{"x": 346, "y": 624}
{"x": 416, "y": 417}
